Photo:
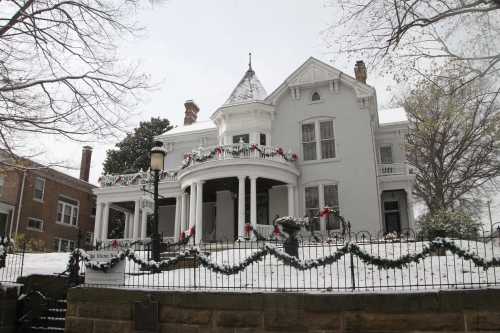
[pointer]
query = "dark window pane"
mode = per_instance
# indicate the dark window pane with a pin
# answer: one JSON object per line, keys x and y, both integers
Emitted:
{"x": 315, "y": 97}
{"x": 331, "y": 196}
{"x": 312, "y": 197}
{"x": 391, "y": 205}
{"x": 328, "y": 149}
{"x": 262, "y": 139}
{"x": 308, "y": 133}
{"x": 243, "y": 137}
{"x": 309, "y": 151}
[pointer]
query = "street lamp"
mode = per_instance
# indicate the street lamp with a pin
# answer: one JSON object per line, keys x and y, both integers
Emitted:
{"x": 157, "y": 162}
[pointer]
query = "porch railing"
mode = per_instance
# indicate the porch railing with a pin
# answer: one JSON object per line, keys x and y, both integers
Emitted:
{"x": 394, "y": 169}
{"x": 238, "y": 151}
{"x": 138, "y": 178}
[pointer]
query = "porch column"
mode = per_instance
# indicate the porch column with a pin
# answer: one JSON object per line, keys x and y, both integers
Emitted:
{"x": 135, "y": 234}
{"x": 98, "y": 222}
{"x": 178, "y": 209}
{"x": 192, "y": 205}
{"x": 105, "y": 221}
{"x": 183, "y": 213}
{"x": 291, "y": 200}
{"x": 126, "y": 230}
{"x": 241, "y": 206}
{"x": 144, "y": 224}
{"x": 253, "y": 201}
{"x": 199, "y": 212}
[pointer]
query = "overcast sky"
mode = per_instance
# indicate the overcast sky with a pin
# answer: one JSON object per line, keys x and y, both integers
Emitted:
{"x": 199, "y": 50}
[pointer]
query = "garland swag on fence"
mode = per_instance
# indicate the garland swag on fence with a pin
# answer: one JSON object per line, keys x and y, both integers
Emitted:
{"x": 204, "y": 259}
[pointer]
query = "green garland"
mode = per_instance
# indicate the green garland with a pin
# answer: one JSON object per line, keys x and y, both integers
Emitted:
{"x": 348, "y": 248}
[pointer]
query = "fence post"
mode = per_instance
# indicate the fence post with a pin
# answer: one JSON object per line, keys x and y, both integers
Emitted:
{"x": 22, "y": 258}
{"x": 353, "y": 282}
{"x": 194, "y": 270}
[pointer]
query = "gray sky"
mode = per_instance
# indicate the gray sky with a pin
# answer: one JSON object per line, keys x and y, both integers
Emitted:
{"x": 199, "y": 50}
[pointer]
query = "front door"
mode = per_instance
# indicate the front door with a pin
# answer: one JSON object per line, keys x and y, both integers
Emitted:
{"x": 392, "y": 216}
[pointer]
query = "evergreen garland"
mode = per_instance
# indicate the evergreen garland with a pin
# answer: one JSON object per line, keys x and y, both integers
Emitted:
{"x": 348, "y": 248}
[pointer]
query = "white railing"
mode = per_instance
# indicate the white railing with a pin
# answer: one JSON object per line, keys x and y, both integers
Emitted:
{"x": 238, "y": 151}
{"x": 394, "y": 169}
{"x": 138, "y": 178}
{"x": 265, "y": 230}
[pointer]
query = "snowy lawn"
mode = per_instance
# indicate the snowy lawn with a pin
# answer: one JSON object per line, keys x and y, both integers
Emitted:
{"x": 435, "y": 272}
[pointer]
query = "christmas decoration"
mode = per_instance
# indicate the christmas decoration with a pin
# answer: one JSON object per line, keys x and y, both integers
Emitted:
{"x": 248, "y": 230}
{"x": 139, "y": 178}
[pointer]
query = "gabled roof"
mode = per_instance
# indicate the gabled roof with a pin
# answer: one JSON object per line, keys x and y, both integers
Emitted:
{"x": 314, "y": 70}
{"x": 249, "y": 89}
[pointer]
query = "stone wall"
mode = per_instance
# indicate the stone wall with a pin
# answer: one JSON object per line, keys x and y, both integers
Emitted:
{"x": 92, "y": 310}
{"x": 8, "y": 299}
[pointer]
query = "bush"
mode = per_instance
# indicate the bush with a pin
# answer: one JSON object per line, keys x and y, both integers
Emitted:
{"x": 446, "y": 223}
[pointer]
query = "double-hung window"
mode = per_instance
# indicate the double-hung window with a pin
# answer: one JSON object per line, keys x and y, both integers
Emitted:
{"x": 67, "y": 211}
{"x": 331, "y": 197}
{"x": 39, "y": 189}
{"x": 318, "y": 140}
{"x": 309, "y": 142}
{"x": 63, "y": 245}
{"x": 35, "y": 224}
{"x": 312, "y": 205}
{"x": 318, "y": 197}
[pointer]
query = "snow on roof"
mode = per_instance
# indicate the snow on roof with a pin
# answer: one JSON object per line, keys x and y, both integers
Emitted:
{"x": 248, "y": 89}
{"x": 391, "y": 116}
{"x": 197, "y": 126}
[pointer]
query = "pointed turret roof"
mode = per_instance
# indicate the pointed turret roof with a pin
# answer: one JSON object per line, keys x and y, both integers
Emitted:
{"x": 248, "y": 90}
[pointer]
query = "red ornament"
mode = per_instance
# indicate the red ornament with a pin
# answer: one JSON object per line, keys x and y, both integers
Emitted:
{"x": 276, "y": 230}
{"x": 192, "y": 231}
{"x": 295, "y": 157}
{"x": 218, "y": 150}
{"x": 325, "y": 212}
{"x": 248, "y": 229}
{"x": 114, "y": 244}
{"x": 280, "y": 151}
{"x": 253, "y": 147}
{"x": 182, "y": 236}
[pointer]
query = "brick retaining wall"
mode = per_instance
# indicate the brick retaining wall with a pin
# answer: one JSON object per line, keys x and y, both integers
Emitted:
{"x": 93, "y": 310}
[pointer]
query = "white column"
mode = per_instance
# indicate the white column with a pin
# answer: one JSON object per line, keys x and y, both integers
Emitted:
{"x": 253, "y": 201}
{"x": 199, "y": 212}
{"x": 178, "y": 210}
{"x": 135, "y": 226}
{"x": 144, "y": 224}
{"x": 105, "y": 221}
{"x": 241, "y": 206}
{"x": 183, "y": 212}
{"x": 126, "y": 229}
{"x": 98, "y": 222}
{"x": 291, "y": 200}
{"x": 322, "y": 220}
{"x": 409, "y": 207}
{"x": 192, "y": 205}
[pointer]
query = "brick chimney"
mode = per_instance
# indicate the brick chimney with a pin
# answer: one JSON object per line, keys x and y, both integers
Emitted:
{"x": 360, "y": 71}
{"x": 85, "y": 163}
{"x": 191, "y": 112}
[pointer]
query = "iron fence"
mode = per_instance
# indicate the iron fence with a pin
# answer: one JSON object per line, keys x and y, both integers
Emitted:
{"x": 11, "y": 260}
{"x": 336, "y": 263}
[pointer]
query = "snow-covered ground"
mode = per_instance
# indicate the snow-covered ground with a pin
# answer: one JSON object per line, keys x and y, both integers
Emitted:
{"x": 270, "y": 274}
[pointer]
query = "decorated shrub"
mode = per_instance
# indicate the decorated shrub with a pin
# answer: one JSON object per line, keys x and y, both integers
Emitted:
{"x": 446, "y": 223}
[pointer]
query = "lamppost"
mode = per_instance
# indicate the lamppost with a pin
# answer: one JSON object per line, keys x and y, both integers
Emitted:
{"x": 157, "y": 163}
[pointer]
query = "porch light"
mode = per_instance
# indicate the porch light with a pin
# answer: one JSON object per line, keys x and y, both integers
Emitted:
{"x": 157, "y": 157}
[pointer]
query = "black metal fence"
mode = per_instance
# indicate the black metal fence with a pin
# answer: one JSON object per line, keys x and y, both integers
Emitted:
{"x": 337, "y": 263}
{"x": 11, "y": 260}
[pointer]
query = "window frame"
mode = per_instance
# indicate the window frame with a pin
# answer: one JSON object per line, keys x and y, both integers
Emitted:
{"x": 70, "y": 243}
{"x": 35, "y": 189}
{"x": 316, "y": 93}
{"x": 244, "y": 135}
{"x": 72, "y": 207}
{"x": 387, "y": 145}
{"x": 28, "y": 227}
{"x": 321, "y": 197}
{"x": 308, "y": 142}
{"x": 316, "y": 121}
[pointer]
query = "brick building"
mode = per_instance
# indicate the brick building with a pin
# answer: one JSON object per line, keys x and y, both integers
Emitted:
{"x": 46, "y": 205}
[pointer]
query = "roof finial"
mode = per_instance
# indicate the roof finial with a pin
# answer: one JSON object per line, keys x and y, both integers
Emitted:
{"x": 250, "y": 61}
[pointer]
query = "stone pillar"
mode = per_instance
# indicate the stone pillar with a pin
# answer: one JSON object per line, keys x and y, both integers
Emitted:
{"x": 98, "y": 222}
{"x": 144, "y": 224}
{"x": 241, "y": 206}
{"x": 192, "y": 205}
{"x": 178, "y": 210}
{"x": 135, "y": 234}
{"x": 126, "y": 230}
{"x": 184, "y": 212}
{"x": 291, "y": 200}
{"x": 199, "y": 213}
{"x": 105, "y": 221}
{"x": 253, "y": 201}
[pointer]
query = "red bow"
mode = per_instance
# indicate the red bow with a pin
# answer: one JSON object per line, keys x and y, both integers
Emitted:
{"x": 325, "y": 212}
{"x": 277, "y": 230}
{"x": 192, "y": 231}
{"x": 114, "y": 244}
{"x": 248, "y": 229}
{"x": 182, "y": 236}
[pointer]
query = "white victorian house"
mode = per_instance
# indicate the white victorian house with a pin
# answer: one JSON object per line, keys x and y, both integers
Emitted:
{"x": 317, "y": 140}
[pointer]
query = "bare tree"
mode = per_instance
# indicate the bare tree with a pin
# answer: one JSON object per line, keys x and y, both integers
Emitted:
{"x": 403, "y": 37}
{"x": 59, "y": 70}
{"x": 454, "y": 142}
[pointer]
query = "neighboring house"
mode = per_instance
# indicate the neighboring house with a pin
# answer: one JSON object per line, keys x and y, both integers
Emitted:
{"x": 46, "y": 205}
{"x": 239, "y": 167}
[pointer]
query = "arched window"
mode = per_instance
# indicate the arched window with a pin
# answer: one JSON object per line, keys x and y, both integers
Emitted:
{"x": 315, "y": 97}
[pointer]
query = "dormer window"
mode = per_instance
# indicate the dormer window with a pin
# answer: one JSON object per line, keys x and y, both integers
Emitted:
{"x": 315, "y": 97}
